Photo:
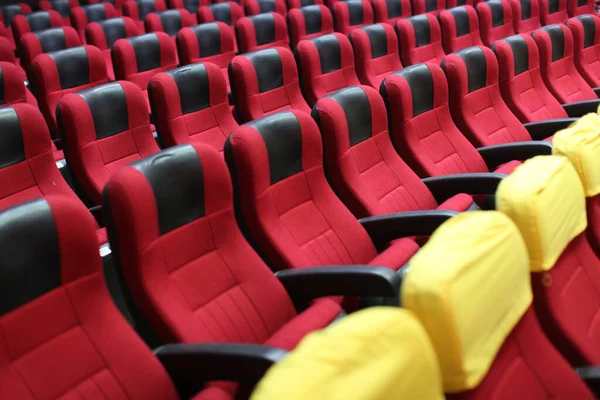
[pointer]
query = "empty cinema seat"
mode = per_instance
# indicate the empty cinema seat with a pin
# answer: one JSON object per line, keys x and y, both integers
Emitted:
{"x": 190, "y": 104}
{"x": 586, "y": 45}
{"x": 580, "y": 7}
{"x": 495, "y": 20}
{"x": 228, "y": 12}
{"x": 460, "y": 28}
{"x": 376, "y": 53}
{"x": 391, "y": 11}
{"x": 255, "y": 7}
{"x": 190, "y": 5}
{"x": 351, "y": 14}
{"x": 420, "y": 39}
{"x": 428, "y": 6}
{"x": 12, "y": 86}
{"x": 65, "y": 71}
{"x": 81, "y": 16}
{"x": 63, "y": 7}
{"x": 139, "y": 9}
{"x": 7, "y": 13}
{"x": 261, "y": 32}
{"x": 7, "y": 54}
{"x": 303, "y": 3}
{"x": 309, "y": 22}
{"x": 264, "y": 82}
{"x": 326, "y": 64}
{"x": 526, "y": 15}
{"x": 102, "y": 129}
{"x": 105, "y": 33}
{"x": 36, "y": 43}
{"x": 553, "y": 11}
{"x": 139, "y": 58}
{"x": 33, "y": 22}
{"x": 170, "y": 21}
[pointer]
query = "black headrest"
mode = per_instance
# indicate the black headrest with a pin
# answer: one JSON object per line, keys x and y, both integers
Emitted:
{"x": 30, "y": 264}
{"x": 557, "y": 38}
{"x": 209, "y": 38}
{"x": 461, "y": 20}
{"x": 194, "y": 87}
{"x": 114, "y": 29}
{"x": 304, "y": 3}
{"x": 394, "y": 8}
{"x": 312, "y": 19}
{"x": 95, "y": 12}
{"x": 497, "y": 9}
{"x": 145, "y": 7}
{"x": 330, "y": 53}
{"x": 420, "y": 81}
{"x": 147, "y": 51}
{"x": 431, "y": 5}
{"x": 269, "y": 71}
{"x": 264, "y": 26}
{"x": 38, "y": 20}
{"x": 171, "y": 21}
{"x": 377, "y": 38}
{"x": 52, "y": 39}
{"x": 9, "y": 12}
{"x": 589, "y": 29}
{"x": 282, "y": 135}
{"x": 420, "y": 24}
{"x": 525, "y": 9}
{"x": 474, "y": 59}
{"x": 357, "y": 109}
{"x": 108, "y": 106}
{"x": 63, "y": 7}
{"x": 520, "y": 52}
{"x": 355, "y": 9}
{"x": 177, "y": 180}
{"x": 221, "y": 12}
{"x": 191, "y": 5}
{"x": 12, "y": 150}
{"x": 266, "y": 6}
{"x": 553, "y": 6}
{"x": 73, "y": 66}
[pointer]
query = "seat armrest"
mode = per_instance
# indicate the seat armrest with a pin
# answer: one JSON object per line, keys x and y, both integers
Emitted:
{"x": 541, "y": 130}
{"x": 591, "y": 377}
{"x": 597, "y": 91}
{"x": 304, "y": 284}
{"x": 191, "y": 365}
{"x": 97, "y": 213}
{"x": 579, "y": 108}
{"x": 499, "y": 154}
{"x": 384, "y": 228}
{"x": 445, "y": 186}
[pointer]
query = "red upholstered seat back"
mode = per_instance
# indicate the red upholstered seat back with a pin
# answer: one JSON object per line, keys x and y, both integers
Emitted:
{"x": 391, "y": 11}
{"x": 139, "y": 9}
{"x": 45, "y": 41}
{"x": 227, "y": 12}
{"x": 81, "y": 16}
{"x": 261, "y": 31}
{"x": 580, "y": 7}
{"x": 104, "y": 34}
{"x": 309, "y": 22}
{"x": 553, "y": 11}
{"x": 12, "y": 87}
{"x": 63, "y": 7}
{"x": 428, "y": 6}
{"x": 460, "y": 28}
{"x": 352, "y": 14}
{"x": 189, "y": 5}
{"x": 34, "y": 22}
{"x": 526, "y": 15}
{"x": 496, "y": 20}
{"x": 421, "y": 39}
{"x": 169, "y": 21}
{"x": 586, "y": 43}
{"x": 255, "y": 7}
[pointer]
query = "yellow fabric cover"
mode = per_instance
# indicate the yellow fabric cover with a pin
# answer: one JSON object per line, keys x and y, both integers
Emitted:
{"x": 544, "y": 197}
{"x": 469, "y": 286}
{"x": 580, "y": 143}
{"x": 381, "y": 353}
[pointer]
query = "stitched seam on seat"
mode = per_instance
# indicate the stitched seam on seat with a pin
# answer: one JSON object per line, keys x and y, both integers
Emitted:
{"x": 11, "y": 366}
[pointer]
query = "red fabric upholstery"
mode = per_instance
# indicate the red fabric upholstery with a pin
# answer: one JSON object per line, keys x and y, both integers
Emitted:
{"x": 458, "y": 3}
{"x": 303, "y": 3}
{"x": 326, "y": 74}
{"x": 34, "y": 44}
{"x": 64, "y": 7}
{"x": 292, "y": 213}
{"x": 477, "y": 107}
{"x": 428, "y": 6}
{"x": 228, "y": 12}
{"x": 7, "y": 13}
{"x": 361, "y": 163}
{"x": 376, "y": 53}
{"x": 190, "y": 5}
{"x": 575, "y": 7}
{"x": 421, "y": 126}
{"x": 391, "y": 11}
{"x": 553, "y": 11}
{"x": 200, "y": 115}
{"x": 254, "y": 7}
{"x": 265, "y": 82}
{"x": 521, "y": 83}
{"x": 460, "y": 28}
{"x": 47, "y": 77}
{"x": 421, "y": 38}
{"x": 138, "y": 10}
{"x": 170, "y": 21}
{"x": 13, "y": 86}
{"x": 352, "y": 14}
{"x": 118, "y": 4}
{"x": 558, "y": 69}
{"x": 254, "y": 33}
{"x": 92, "y": 155}
{"x": 105, "y": 33}
{"x": 309, "y": 22}
{"x": 78, "y": 343}
{"x": 586, "y": 42}
{"x": 36, "y": 21}
{"x": 495, "y": 21}
{"x": 81, "y": 16}
{"x": 521, "y": 369}
{"x": 593, "y": 216}
{"x": 526, "y": 15}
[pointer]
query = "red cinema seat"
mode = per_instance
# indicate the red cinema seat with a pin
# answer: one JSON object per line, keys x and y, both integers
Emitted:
{"x": 228, "y": 12}
{"x": 191, "y": 5}
{"x": 521, "y": 83}
{"x": 376, "y": 53}
{"x": 422, "y": 128}
{"x": 428, "y": 6}
{"x": 139, "y": 58}
{"x": 553, "y": 11}
{"x": 118, "y": 4}
{"x": 81, "y": 16}
{"x": 351, "y": 14}
{"x": 103, "y": 129}
{"x": 58, "y": 73}
{"x": 104, "y": 35}
{"x": 526, "y": 15}
{"x": 34, "y": 22}
{"x": 36, "y": 43}
{"x": 255, "y": 7}
{"x": 558, "y": 69}
{"x": 139, "y": 9}
{"x": 458, "y": 3}
{"x": 261, "y": 31}
{"x": 170, "y": 21}
{"x": 303, "y": 3}
{"x": 420, "y": 39}
{"x": 360, "y": 160}
{"x": 7, "y": 13}
{"x": 495, "y": 20}
{"x": 326, "y": 64}
{"x": 391, "y": 11}
{"x": 190, "y": 105}
{"x": 63, "y": 7}
{"x": 460, "y": 28}
{"x": 580, "y": 7}
{"x": 12, "y": 86}
{"x": 308, "y": 22}
{"x": 292, "y": 214}
{"x": 7, "y": 54}
{"x": 264, "y": 82}
{"x": 586, "y": 42}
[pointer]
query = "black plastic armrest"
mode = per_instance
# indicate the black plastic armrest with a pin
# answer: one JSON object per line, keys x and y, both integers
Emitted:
{"x": 597, "y": 91}
{"x": 97, "y": 213}
{"x": 446, "y": 186}
{"x": 191, "y": 365}
{"x": 304, "y": 284}
{"x": 591, "y": 377}
{"x": 541, "y": 130}
{"x": 385, "y": 228}
{"x": 579, "y": 108}
{"x": 499, "y": 154}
